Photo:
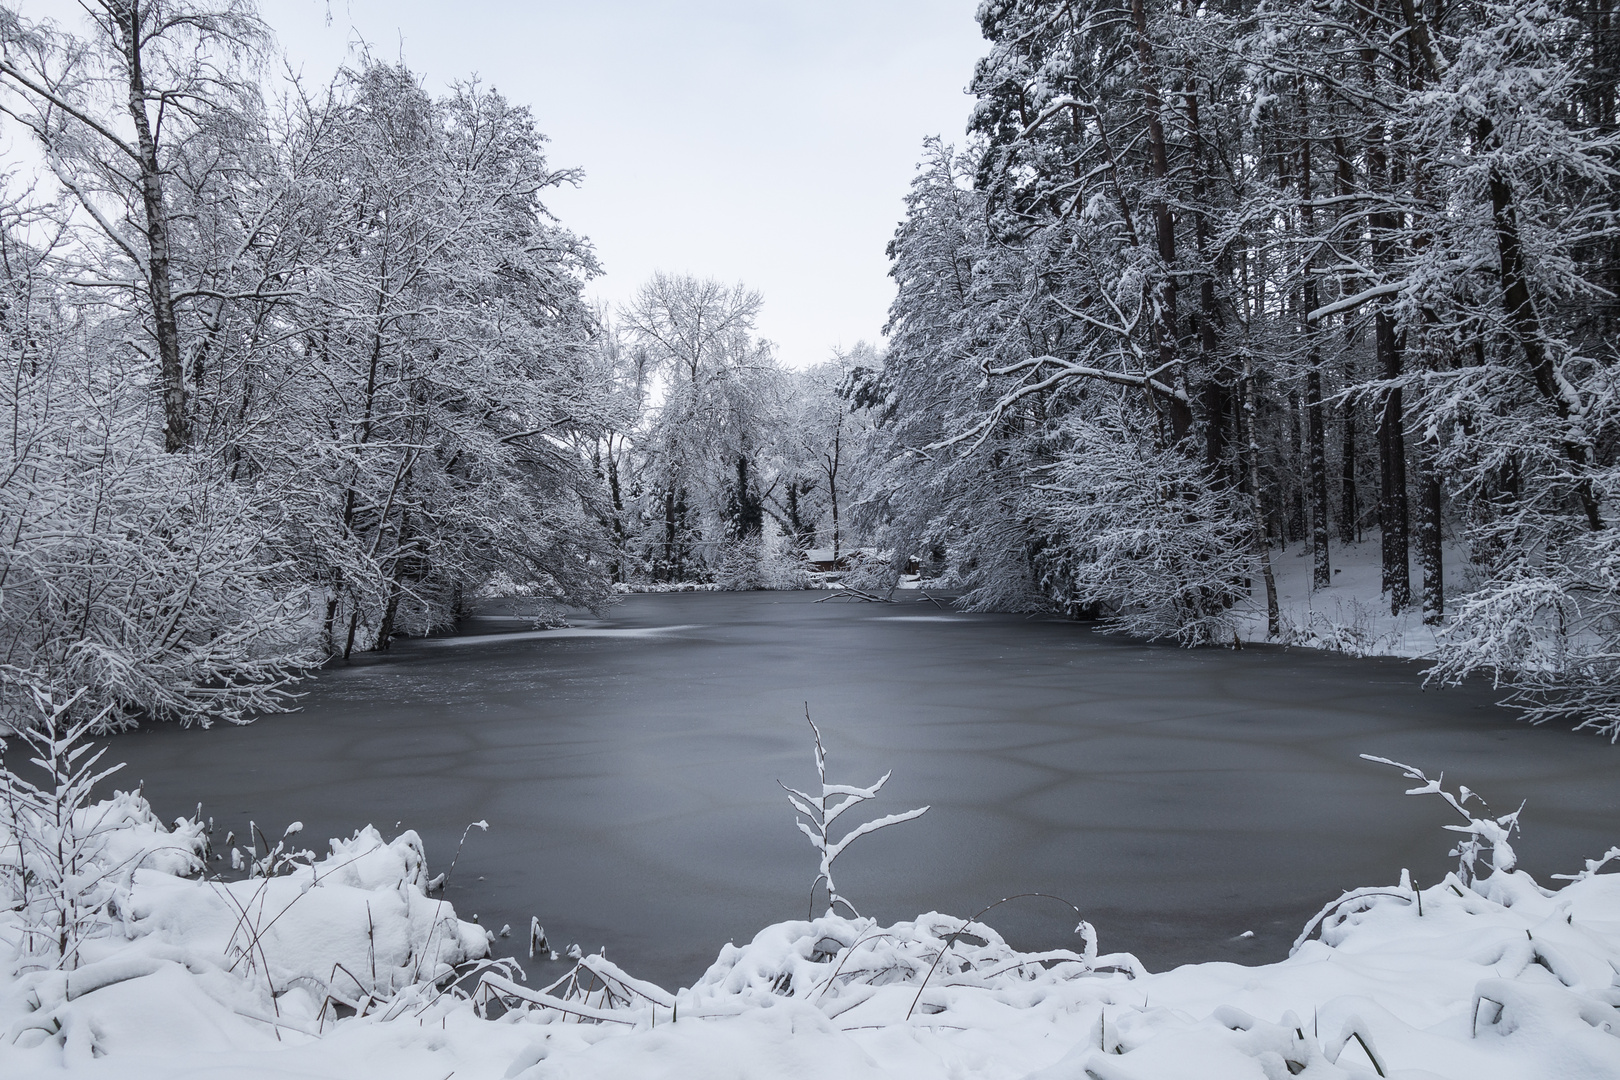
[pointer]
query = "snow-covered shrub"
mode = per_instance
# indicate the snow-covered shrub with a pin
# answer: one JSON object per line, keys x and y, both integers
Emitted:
{"x": 784, "y": 570}
{"x": 98, "y": 895}
{"x": 1543, "y": 615}
{"x": 739, "y": 565}
{"x": 768, "y": 561}
{"x": 832, "y": 963}
{"x": 139, "y": 575}
{"x": 782, "y": 561}
{"x": 67, "y": 865}
{"x": 355, "y": 924}
{"x": 142, "y": 578}
{"x": 1547, "y": 626}
{"x": 1486, "y": 835}
{"x": 1351, "y": 629}
{"x": 626, "y": 587}
{"x": 1144, "y": 534}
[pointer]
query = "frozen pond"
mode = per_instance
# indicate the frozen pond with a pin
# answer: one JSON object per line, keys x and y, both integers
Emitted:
{"x": 628, "y": 768}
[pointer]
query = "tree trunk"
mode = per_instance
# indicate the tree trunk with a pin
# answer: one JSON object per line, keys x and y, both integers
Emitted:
{"x": 1349, "y": 500}
{"x": 1164, "y": 288}
{"x": 1522, "y": 317}
{"x": 1429, "y": 555}
{"x": 385, "y": 629}
{"x": 1349, "y": 497}
{"x": 1321, "y": 569}
{"x": 354, "y": 624}
{"x": 837, "y": 534}
{"x": 159, "y": 285}
{"x": 669, "y": 535}
{"x": 1296, "y": 484}
{"x": 617, "y": 569}
{"x": 1393, "y": 514}
{"x": 1216, "y": 391}
{"x": 1261, "y": 547}
{"x": 329, "y": 621}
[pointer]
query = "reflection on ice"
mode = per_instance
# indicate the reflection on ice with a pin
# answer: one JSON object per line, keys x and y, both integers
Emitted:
{"x": 920, "y": 618}
{"x": 559, "y": 632}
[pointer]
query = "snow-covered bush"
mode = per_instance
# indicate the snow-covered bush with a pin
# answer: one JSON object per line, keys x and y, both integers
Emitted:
{"x": 67, "y": 864}
{"x": 96, "y": 896}
{"x": 1350, "y": 629}
{"x": 739, "y": 565}
{"x": 1143, "y": 533}
{"x": 782, "y": 561}
{"x": 1547, "y": 626}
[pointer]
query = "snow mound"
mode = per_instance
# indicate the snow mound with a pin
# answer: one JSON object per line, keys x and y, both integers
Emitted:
{"x": 345, "y": 966}
{"x": 1506, "y": 979}
{"x": 179, "y": 970}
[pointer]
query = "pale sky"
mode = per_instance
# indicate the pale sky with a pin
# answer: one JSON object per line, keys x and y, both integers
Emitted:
{"x": 762, "y": 141}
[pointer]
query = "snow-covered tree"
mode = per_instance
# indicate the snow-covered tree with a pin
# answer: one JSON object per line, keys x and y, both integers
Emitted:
{"x": 703, "y": 486}
{"x": 147, "y": 580}
{"x": 147, "y": 93}
{"x": 437, "y": 361}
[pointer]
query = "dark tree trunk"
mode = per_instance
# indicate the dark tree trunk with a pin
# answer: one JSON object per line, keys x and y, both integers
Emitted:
{"x": 1349, "y": 500}
{"x": 1216, "y": 392}
{"x": 1164, "y": 289}
{"x": 1252, "y": 455}
{"x": 159, "y": 285}
{"x": 1321, "y": 568}
{"x": 354, "y": 624}
{"x": 1295, "y": 484}
{"x": 1428, "y": 538}
{"x": 1521, "y": 312}
{"x": 385, "y": 629}
{"x": 617, "y": 493}
{"x": 1393, "y": 514}
{"x": 672, "y": 560}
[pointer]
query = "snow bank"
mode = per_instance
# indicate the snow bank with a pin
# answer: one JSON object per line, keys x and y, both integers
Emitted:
{"x": 181, "y": 972}
{"x": 344, "y": 966}
{"x": 1352, "y": 615}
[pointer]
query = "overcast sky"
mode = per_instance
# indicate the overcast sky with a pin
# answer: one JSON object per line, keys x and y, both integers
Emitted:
{"x": 748, "y": 140}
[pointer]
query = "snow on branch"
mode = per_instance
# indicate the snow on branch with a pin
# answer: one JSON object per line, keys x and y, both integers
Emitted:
{"x": 1486, "y": 834}
{"x": 823, "y": 810}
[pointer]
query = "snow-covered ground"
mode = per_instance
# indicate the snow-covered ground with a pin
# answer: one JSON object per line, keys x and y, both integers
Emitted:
{"x": 1352, "y": 615}
{"x": 342, "y": 966}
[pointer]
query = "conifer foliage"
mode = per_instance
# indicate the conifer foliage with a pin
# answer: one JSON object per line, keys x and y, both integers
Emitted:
{"x": 1208, "y": 279}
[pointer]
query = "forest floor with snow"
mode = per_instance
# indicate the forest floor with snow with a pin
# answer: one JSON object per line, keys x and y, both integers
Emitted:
{"x": 1352, "y": 615}
{"x": 345, "y": 965}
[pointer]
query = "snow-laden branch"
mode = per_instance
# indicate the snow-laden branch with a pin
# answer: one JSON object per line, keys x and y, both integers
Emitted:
{"x": 1067, "y": 370}
{"x": 823, "y": 811}
{"x": 1351, "y": 302}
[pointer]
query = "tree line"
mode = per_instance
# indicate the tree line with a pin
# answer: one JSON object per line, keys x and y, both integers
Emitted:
{"x": 1208, "y": 278}
{"x": 287, "y": 371}
{"x": 284, "y": 375}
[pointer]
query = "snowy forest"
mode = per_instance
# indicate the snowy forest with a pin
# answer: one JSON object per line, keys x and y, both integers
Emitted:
{"x": 1248, "y": 333}
{"x": 292, "y": 370}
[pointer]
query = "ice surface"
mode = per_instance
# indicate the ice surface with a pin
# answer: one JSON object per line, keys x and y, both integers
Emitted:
{"x": 1179, "y": 797}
